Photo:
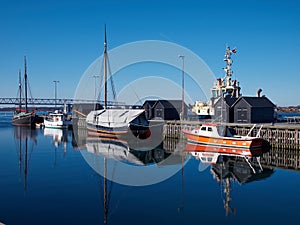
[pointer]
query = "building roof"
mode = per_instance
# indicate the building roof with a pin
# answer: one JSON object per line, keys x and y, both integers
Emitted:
{"x": 165, "y": 103}
{"x": 170, "y": 103}
{"x": 257, "y": 101}
{"x": 228, "y": 100}
{"x": 150, "y": 102}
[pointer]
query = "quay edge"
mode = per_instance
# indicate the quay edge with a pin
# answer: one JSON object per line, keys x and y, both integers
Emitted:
{"x": 279, "y": 135}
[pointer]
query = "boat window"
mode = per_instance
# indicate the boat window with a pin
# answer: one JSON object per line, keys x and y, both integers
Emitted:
{"x": 203, "y": 128}
{"x": 209, "y": 129}
{"x": 228, "y": 133}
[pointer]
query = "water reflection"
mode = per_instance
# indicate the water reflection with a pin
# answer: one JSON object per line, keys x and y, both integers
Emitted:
{"x": 112, "y": 148}
{"x": 227, "y": 169}
{"x": 25, "y": 141}
{"x": 111, "y": 157}
{"x": 184, "y": 195}
{"x": 136, "y": 167}
{"x": 60, "y": 136}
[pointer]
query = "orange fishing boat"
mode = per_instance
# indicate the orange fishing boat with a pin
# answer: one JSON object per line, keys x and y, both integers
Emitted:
{"x": 219, "y": 138}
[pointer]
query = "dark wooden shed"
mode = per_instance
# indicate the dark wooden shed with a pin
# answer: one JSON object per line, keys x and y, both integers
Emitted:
{"x": 164, "y": 109}
{"x": 149, "y": 108}
{"x": 223, "y": 110}
{"x": 253, "y": 110}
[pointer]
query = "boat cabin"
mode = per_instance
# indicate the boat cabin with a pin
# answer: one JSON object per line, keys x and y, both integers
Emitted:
{"x": 206, "y": 157}
{"x": 213, "y": 130}
{"x": 56, "y": 117}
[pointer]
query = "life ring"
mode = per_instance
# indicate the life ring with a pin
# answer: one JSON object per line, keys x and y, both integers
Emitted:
{"x": 56, "y": 119}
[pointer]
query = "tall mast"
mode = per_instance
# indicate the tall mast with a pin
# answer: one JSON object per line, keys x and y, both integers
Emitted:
{"x": 20, "y": 91}
{"x": 25, "y": 75}
{"x": 105, "y": 68}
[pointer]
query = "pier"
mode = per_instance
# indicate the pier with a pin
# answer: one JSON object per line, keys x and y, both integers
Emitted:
{"x": 281, "y": 135}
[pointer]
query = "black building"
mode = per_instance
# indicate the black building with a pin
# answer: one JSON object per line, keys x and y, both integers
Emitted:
{"x": 164, "y": 109}
{"x": 149, "y": 108}
{"x": 253, "y": 110}
{"x": 224, "y": 112}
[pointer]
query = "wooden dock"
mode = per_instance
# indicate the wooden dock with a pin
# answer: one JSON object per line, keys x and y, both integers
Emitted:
{"x": 281, "y": 135}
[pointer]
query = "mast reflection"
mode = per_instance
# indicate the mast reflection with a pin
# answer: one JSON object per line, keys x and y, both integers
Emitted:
{"x": 23, "y": 136}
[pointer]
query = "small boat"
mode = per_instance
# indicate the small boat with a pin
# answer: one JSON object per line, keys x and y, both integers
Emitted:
{"x": 117, "y": 122}
{"x": 57, "y": 120}
{"x": 22, "y": 117}
{"x": 219, "y": 137}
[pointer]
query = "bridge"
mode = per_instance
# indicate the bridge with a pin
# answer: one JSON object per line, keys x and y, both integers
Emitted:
{"x": 49, "y": 101}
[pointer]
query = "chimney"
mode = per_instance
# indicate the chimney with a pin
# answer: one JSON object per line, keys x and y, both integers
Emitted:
{"x": 258, "y": 92}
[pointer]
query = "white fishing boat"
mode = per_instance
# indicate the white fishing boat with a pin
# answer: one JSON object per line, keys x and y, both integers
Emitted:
{"x": 57, "y": 120}
{"x": 111, "y": 121}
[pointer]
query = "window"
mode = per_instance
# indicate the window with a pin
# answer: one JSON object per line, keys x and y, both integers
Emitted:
{"x": 203, "y": 128}
{"x": 209, "y": 129}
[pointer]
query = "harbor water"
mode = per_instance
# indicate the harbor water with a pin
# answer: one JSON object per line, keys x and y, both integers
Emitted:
{"x": 47, "y": 176}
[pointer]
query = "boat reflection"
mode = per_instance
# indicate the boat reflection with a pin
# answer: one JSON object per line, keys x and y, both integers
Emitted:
{"x": 25, "y": 140}
{"x": 230, "y": 168}
{"x": 60, "y": 136}
{"x": 112, "y": 148}
{"x": 133, "y": 154}
{"x": 108, "y": 154}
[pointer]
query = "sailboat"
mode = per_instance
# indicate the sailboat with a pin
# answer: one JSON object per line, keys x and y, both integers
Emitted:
{"x": 22, "y": 117}
{"x": 112, "y": 121}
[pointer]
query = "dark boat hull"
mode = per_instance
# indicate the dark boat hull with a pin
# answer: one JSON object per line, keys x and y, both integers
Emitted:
{"x": 27, "y": 119}
{"x": 141, "y": 132}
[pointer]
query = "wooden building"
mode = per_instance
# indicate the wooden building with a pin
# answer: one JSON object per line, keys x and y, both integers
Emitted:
{"x": 253, "y": 110}
{"x": 164, "y": 109}
{"x": 149, "y": 108}
{"x": 224, "y": 112}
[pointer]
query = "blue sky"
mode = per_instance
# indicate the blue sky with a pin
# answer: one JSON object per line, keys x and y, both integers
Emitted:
{"x": 62, "y": 38}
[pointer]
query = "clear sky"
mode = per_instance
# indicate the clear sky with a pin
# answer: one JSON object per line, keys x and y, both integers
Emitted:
{"x": 62, "y": 38}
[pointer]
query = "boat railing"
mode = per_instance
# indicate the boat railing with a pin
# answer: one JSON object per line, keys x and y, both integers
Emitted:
{"x": 258, "y": 132}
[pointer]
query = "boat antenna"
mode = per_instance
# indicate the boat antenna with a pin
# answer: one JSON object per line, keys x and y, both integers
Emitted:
{"x": 25, "y": 76}
{"x": 105, "y": 68}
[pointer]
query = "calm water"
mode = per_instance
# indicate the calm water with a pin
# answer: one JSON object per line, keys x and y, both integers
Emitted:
{"x": 48, "y": 177}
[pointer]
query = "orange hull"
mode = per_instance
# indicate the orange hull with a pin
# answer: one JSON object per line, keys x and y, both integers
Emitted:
{"x": 223, "y": 150}
{"x": 225, "y": 142}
